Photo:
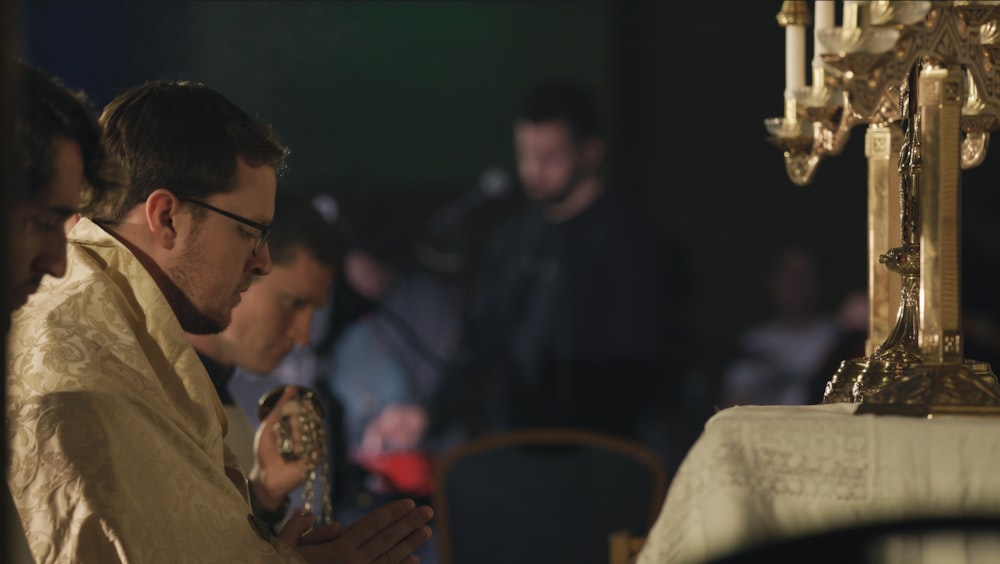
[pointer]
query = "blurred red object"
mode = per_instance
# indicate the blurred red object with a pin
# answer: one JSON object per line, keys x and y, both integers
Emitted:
{"x": 408, "y": 472}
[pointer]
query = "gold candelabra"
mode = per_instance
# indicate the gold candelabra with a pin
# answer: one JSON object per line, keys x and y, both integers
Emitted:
{"x": 923, "y": 76}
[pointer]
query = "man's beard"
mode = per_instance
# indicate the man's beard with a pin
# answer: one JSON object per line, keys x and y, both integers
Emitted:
{"x": 564, "y": 192}
{"x": 179, "y": 286}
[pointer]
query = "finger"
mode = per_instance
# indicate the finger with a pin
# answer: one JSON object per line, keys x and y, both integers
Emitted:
{"x": 269, "y": 433}
{"x": 372, "y": 440}
{"x": 292, "y": 415}
{"x": 266, "y": 438}
{"x": 403, "y": 438}
{"x": 277, "y": 412}
{"x": 399, "y": 538}
{"x": 270, "y": 423}
{"x": 403, "y": 551}
{"x": 323, "y": 534}
{"x": 373, "y": 523}
{"x": 291, "y": 410}
{"x": 296, "y": 526}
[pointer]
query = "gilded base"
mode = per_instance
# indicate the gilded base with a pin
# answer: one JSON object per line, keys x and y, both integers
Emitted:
{"x": 840, "y": 387}
{"x": 969, "y": 388}
{"x": 915, "y": 389}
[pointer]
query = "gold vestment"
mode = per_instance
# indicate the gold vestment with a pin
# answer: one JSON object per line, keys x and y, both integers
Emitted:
{"x": 115, "y": 429}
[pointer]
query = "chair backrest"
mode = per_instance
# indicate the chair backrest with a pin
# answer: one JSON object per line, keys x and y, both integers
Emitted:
{"x": 544, "y": 495}
{"x": 624, "y": 547}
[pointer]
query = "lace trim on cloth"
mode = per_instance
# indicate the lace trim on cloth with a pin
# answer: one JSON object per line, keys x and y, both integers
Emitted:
{"x": 749, "y": 467}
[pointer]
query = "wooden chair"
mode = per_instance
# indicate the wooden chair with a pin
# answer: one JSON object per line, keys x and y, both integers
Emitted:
{"x": 624, "y": 547}
{"x": 544, "y": 495}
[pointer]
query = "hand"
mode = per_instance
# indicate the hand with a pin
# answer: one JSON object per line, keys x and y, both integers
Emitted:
{"x": 272, "y": 477}
{"x": 397, "y": 427}
{"x": 387, "y": 535}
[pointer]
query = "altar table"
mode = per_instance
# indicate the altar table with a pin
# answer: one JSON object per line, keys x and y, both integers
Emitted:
{"x": 765, "y": 473}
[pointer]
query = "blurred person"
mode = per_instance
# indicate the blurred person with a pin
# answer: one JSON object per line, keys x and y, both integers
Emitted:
{"x": 574, "y": 317}
{"x": 59, "y": 162}
{"x": 381, "y": 339}
{"x": 115, "y": 429}
{"x": 396, "y": 350}
{"x": 249, "y": 383}
{"x": 274, "y": 315}
{"x": 779, "y": 359}
{"x": 299, "y": 366}
{"x": 394, "y": 353}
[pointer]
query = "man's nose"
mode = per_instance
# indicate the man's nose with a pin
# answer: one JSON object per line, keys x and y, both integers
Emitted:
{"x": 52, "y": 258}
{"x": 262, "y": 261}
{"x": 302, "y": 326}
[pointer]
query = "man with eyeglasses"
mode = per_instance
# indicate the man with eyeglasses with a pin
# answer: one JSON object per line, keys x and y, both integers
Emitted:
{"x": 116, "y": 431}
{"x": 275, "y": 314}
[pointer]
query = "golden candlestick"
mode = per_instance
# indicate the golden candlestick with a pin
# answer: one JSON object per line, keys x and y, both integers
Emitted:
{"x": 922, "y": 76}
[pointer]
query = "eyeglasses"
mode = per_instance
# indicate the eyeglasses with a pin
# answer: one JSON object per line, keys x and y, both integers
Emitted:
{"x": 265, "y": 230}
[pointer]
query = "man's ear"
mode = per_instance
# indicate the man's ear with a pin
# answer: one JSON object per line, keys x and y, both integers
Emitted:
{"x": 161, "y": 209}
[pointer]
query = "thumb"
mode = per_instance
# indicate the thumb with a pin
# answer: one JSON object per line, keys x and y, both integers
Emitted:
{"x": 296, "y": 526}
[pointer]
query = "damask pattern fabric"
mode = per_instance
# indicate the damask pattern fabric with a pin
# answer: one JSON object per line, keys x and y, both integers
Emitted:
{"x": 765, "y": 473}
{"x": 115, "y": 428}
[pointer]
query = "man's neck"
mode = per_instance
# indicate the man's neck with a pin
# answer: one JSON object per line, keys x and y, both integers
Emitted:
{"x": 138, "y": 241}
{"x": 579, "y": 199}
{"x": 212, "y": 347}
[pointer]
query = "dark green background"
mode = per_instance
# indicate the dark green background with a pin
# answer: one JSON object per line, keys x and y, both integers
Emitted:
{"x": 418, "y": 97}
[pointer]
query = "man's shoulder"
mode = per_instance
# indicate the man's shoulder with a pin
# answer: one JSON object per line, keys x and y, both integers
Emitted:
{"x": 67, "y": 320}
{"x": 62, "y": 301}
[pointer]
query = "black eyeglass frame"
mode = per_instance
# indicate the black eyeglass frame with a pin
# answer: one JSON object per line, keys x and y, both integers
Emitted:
{"x": 265, "y": 230}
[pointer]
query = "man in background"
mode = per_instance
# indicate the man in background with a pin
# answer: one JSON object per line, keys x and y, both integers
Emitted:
{"x": 574, "y": 321}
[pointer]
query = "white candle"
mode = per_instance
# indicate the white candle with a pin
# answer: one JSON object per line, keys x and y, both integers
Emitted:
{"x": 825, "y": 12}
{"x": 824, "y": 16}
{"x": 795, "y": 58}
{"x": 850, "y": 14}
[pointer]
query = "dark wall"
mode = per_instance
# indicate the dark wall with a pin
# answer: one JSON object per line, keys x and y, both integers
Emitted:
{"x": 710, "y": 79}
{"x": 362, "y": 91}
{"x": 416, "y": 93}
